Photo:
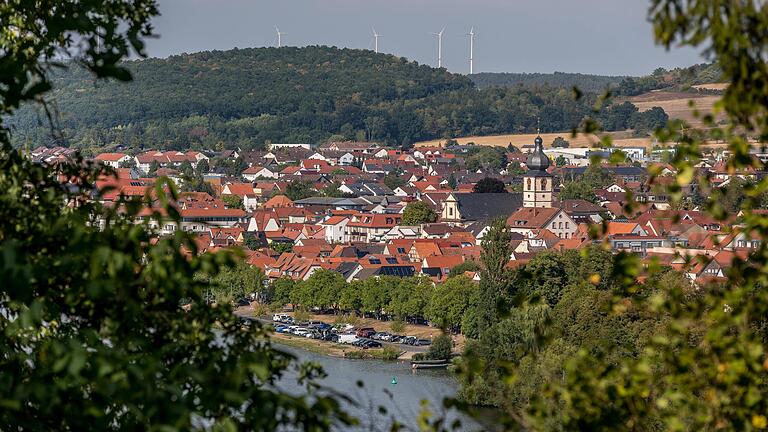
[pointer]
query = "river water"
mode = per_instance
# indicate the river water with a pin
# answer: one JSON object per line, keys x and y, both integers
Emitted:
{"x": 402, "y": 401}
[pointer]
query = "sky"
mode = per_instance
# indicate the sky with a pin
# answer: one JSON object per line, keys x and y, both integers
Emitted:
{"x": 605, "y": 37}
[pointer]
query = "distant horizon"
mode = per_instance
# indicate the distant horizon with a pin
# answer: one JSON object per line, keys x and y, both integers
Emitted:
{"x": 593, "y": 37}
{"x": 150, "y": 57}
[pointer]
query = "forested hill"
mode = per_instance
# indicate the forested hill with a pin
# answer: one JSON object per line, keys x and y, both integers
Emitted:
{"x": 243, "y": 98}
{"x": 585, "y": 82}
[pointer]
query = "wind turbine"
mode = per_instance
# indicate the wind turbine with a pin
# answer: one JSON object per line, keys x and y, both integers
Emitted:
{"x": 440, "y": 47}
{"x": 279, "y": 37}
{"x": 471, "y": 35}
{"x": 375, "y": 40}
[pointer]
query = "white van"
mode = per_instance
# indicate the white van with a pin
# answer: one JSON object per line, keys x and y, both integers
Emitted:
{"x": 347, "y": 338}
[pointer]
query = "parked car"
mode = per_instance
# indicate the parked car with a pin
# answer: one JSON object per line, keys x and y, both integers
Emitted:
{"x": 422, "y": 342}
{"x": 408, "y": 340}
{"x": 365, "y": 332}
{"x": 371, "y": 344}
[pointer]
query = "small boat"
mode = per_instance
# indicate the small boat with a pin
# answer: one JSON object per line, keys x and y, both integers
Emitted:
{"x": 429, "y": 364}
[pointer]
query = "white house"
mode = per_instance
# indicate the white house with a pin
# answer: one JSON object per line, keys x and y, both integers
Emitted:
{"x": 289, "y": 146}
{"x": 334, "y": 228}
{"x": 113, "y": 159}
{"x": 256, "y": 172}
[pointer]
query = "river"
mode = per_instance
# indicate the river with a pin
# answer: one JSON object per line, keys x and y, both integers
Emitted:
{"x": 402, "y": 401}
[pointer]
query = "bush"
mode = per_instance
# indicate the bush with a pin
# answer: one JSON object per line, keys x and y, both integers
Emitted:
{"x": 441, "y": 348}
{"x": 301, "y": 315}
{"x": 346, "y": 319}
{"x": 390, "y": 353}
{"x": 260, "y": 309}
{"x": 397, "y": 326}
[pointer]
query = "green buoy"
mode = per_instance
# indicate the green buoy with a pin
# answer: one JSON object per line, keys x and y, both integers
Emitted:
{"x": 394, "y": 380}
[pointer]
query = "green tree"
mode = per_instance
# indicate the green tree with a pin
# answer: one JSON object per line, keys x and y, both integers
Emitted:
{"x": 350, "y": 296}
{"x": 450, "y": 301}
{"x": 466, "y": 266}
{"x": 322, "y": 290}
{"x": 202, "y": 167}
{"x": 234, "y": 283}
{"x": 297, "y": 190}
{"x": 452, "y": 183}
{"x": 96, "y": 313}
{"x": 417, "y": 213}
{"x": 489, "y": 185}
{"x": 186, "y": 169}
{"x": 281, "y": 248}
{"x": 233, "y": 201}
{"x": 578, "y": 190}
{"x": 282, "y": 291}
{"x": 441, "y": 348}
{"x": 515, "y": 168}
{"x": 409, "y": 297}
{"x": 597, "y": 177}
{"x": 153, "y": 167}
{"x": 561, "y": 161}
{"x": 560, "y": 142}
{"x": 495, "y": 278}
{"x": 393, "y": 180}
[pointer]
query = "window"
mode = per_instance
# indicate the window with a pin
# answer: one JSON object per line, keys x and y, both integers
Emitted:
{"x": 401, "y": 250}
{"x": 566, "y": 225}
{"x": 391, "y": 260}
{"x": 374, "y": 260}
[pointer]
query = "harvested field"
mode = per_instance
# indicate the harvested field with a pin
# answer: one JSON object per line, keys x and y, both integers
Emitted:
{"x": 676, "y": 104}
{"x": 621, "y": 139}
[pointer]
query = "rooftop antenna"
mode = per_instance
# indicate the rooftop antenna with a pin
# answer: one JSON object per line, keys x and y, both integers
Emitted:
{"x": 440, "y": 47}
{"x": 375, "y": 40}
{"x": 471, "y": 35}
{"x": 279, "y": 37}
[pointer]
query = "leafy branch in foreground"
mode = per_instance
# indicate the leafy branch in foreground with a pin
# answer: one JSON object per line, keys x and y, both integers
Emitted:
{"x": 702, "y": 365}
{"x": 93, "y": 335}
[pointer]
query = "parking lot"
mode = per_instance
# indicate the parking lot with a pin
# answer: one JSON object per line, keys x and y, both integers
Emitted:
{"x": 365, "y": 337}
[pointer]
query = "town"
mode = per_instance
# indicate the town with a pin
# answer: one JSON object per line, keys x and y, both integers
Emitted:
{"x": 365, "y": 210}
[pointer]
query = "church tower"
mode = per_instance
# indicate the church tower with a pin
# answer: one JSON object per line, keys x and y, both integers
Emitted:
{"x": 537, "y": 182}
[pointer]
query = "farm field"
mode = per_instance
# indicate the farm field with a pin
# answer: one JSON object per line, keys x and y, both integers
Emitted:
{"x": 676, "y": 104}
{"x": 620, "y": 139}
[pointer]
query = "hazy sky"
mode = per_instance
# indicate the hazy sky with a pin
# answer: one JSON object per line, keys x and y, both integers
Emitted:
{"x": 589, "y": 36}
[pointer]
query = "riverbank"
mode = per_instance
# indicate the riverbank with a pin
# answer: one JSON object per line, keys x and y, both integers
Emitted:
{"x": 405, "y": 352}
{"x": 337, "y": 350}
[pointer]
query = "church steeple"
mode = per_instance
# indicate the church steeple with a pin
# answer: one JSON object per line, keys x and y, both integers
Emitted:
{"x": 537, "y": 182}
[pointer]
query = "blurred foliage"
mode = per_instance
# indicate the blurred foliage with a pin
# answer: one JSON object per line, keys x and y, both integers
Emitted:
{"x": 105, "y": 325}
{"x": 617, "y": 343}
